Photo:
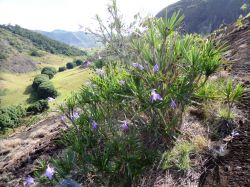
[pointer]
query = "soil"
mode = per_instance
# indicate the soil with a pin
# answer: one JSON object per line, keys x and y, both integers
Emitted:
{"x": 20, "y": 152}
{"x": 234, "y": 168}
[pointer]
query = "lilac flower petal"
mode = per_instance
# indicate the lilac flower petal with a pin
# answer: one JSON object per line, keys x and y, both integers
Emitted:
{"x": 29, "y": 180}
{"x": 122, "y": 82}
{"x": 75, "y": 116}
{"x": 156, "y": 68}
{"x": 94, "y": 125}
{"x": 100, "y": 72}
{"x": 155, "y": 96}
{"x": 63, "y": 118}
{"x": 139, "y": 66}
{"x": 49, "y": 172}
{"x": 124, "y": 126}
{"x": 173, "y": 104}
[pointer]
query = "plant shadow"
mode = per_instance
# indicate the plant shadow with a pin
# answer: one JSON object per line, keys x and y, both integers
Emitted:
{"x": 33, "y": 95}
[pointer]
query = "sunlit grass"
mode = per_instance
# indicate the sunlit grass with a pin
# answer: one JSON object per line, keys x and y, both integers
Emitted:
{"x": 54, "y": 60}
{"x": 18, "y": 86}
{"x": 70, "y": 81}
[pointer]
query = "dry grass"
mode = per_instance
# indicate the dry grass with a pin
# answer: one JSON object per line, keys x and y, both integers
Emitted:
{"x": 195, "y": 133}
{"x": 10, "y": 143}
{"x": 40, "y": 133}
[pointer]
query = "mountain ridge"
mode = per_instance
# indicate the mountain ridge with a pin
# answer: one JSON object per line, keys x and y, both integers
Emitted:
{"x": 21, "y": 50}
{"x": 205, "y": 16}
{"x": 73, "y": 38}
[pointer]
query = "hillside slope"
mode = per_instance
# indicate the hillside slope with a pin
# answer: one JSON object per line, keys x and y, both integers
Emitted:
{"x": 233, "y": 169}
{"x": 204, "y": 16}
{"x": 77, "y": 39}
{"x": 21, "y": 50}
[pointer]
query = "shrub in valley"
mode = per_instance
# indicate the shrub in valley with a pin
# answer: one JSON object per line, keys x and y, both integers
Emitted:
{"x": 38, "y": 107}
{"x": 46, "y": 89}
{"x": 70, "y": 65}
{"x": 11, "y": 116}
{"x": 60, "y": 69}
{"x": 39, "y": 79}
{"x": 50, "y": 71}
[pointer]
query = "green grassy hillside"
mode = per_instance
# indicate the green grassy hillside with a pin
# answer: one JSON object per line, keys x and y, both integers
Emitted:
{"x": 23, "y": 51}
{"x": 42, "y": 42}
{"x": 23, "y": 54}
{"x": 16, "y": 88}
{"x": 204, "y": 16}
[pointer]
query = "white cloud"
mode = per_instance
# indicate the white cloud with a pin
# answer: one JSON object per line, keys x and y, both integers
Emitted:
{"x": 69, "y": 14}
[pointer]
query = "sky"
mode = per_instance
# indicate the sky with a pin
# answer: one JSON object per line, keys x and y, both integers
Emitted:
{"x": 49, "y": 15}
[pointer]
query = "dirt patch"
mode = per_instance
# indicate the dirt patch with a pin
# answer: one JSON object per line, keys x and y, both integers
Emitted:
{"x": 19, "y": 152}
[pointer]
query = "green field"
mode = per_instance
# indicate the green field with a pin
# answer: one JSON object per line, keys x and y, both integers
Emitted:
{"x": 70, "y": 81}
{"x": 16, "y": 88}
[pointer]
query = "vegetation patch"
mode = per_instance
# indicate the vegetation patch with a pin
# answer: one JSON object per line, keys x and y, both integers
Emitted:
{"x": 38, "y": 80}
{"x": 10, "y": 117}
{"x": 50, "y": 71}
{"x": 38, "y": 107}
{"x": 43, "y": 42}
{"x": 130, "y": 114}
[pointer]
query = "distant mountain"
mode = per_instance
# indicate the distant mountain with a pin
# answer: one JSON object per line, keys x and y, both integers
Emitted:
{"x": 78, "y": 39}
{"x": 22, "y": 49}
{"x": 204, "y": 16}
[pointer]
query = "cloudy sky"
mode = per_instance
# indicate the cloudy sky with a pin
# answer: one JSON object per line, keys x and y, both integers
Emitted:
{"x": 69, "y": 14}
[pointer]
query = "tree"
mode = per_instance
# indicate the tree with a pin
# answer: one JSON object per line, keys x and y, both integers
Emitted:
{"x": 38, "y": 80}
{"x": 78, "y": 62}
{"x": 60, "y": 69}
{"x": 50, "y": 71}
{"x": 70, "y": 65}
{"x": 46, "y": 89}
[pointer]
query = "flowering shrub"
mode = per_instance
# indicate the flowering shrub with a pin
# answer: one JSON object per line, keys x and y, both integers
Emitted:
{"x": 131, "y": 113}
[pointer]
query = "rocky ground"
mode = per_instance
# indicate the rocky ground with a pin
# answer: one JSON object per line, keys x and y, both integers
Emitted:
{"x": 19, "y": 152}
{"x": 234, "y": 168}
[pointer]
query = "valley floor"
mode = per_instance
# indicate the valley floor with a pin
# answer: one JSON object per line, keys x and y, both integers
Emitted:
{"x": 17, "y": 88}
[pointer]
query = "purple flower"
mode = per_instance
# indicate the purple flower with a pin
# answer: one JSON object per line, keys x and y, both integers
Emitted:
{"x": 155, "y": 96}
{"x": 100, "y": 72}
{"x": 124, "y": 126}
{"x": 122, "y": 82}
{"x": 49, "y": 172}
{"x": 29, "y": 180}
{"x": 50, "y": 99}
{"x": 75, "y": 116}
{"x": 94, "y": 124}
{"x": 156, "y": 68}
{"x": 63, "y": 118}
{"x": 136, "y": 65}
{"x": 173, "y": 104}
